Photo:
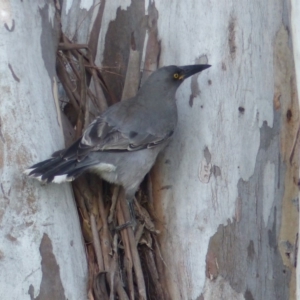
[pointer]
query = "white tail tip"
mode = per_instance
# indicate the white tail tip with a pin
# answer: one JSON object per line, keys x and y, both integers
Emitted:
{"x": 62, "y": 178}
{"x": 27, "y": 171}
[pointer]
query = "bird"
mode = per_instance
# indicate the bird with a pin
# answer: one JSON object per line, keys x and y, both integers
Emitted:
{"x": 122, "y": 144}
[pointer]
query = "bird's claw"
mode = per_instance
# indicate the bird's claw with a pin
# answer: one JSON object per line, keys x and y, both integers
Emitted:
{"x": 130, "y": 223}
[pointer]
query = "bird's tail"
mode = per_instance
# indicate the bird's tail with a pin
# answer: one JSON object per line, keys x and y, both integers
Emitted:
{"x": 57, "y": 169}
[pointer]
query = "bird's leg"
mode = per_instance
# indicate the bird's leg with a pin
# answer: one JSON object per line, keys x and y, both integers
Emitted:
{"x": 130, "y": 215}
{"x": 130, "y": 204}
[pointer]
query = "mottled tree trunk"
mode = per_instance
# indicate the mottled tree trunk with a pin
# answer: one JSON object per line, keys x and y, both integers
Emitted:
{"x": 41, "y": 249}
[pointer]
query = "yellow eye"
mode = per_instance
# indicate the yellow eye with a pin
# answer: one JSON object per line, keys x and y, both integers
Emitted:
{"x": 176, "y": 75}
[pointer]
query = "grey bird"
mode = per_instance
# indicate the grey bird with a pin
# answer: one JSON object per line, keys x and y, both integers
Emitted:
{"x": 121, "y": 145}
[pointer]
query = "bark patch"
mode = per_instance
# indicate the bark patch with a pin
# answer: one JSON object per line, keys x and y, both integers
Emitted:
{"x": 51, "y": 285}
{"x": 118, "y": 45}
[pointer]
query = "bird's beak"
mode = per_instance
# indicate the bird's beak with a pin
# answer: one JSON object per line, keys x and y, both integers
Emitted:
{"x": 188, "y": 71}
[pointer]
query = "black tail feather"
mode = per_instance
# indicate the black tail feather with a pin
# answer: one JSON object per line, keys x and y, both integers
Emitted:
{"x": 43, "y": 165}
{"x": 62, "y": 168}
{"x": 47, "y": 170}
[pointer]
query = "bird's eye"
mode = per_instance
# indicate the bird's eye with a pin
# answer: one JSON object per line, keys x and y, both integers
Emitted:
{"x": 176, "y": 75}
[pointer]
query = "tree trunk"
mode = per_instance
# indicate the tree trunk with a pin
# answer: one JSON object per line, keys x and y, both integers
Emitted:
{"x": 225, "y": 190}
{"x": 227, "y": 185}
{"x": 41, "y": 249}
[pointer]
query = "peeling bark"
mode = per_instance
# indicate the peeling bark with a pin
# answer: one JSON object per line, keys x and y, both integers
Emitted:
{"x": 51, "y": 285}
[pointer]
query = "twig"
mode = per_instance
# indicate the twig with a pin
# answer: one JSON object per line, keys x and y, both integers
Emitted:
{"x": 139, "y": 232}
{"x": 67, "y": 84}
{"x": 146, "y": 217}
{"x": 91, "y": 68}
{"x": 113, "y": 203}
{"x": 127, "y": 257}
{"x": 88, "y": 91}
{"x": 71, "y": 62}
{"x": 90, "y": 64}
{"x": 71, "y": 46}
{"x": 96, "y": 242}
{"x": 104, "y": 69}
{"x": 90, "y": 94}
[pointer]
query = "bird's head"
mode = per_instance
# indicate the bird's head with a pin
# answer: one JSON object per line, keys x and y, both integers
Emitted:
{"x": 179, "y": 74}
{"x": 168, "y": 79}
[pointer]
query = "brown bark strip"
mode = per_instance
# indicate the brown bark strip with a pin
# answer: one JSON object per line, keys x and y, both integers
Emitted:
{"x": 132, "y": 78}
{"x": 127, "y": 249}
{"x": 79, "y": 125}
{"x": 105, "y": 236}
{"x": 153, "y": 46}
{"x": 96, "y": 243}
{"x": 154, "y": 274}
{"x": 113, "y": 203}
{"x": 100, "y": 290}
{"x": 134, "y": 252}
{"x": 94, "y": 34}
{"x": 160, "y": 265}
{"x": 98, "y": 82}
{"x": 110, "y": 265}
{"x": 91, "y": 268}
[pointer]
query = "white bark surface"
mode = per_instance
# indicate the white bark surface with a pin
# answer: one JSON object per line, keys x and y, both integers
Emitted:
{"x": 39, "y": 225}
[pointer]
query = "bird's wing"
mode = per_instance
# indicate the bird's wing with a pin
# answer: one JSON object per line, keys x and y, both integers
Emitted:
{"x": 106, "y": 136}
{"x": 110, "y": 133}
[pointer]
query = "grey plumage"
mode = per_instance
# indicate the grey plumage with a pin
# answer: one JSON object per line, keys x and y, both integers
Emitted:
{"x": 122, "y": 144}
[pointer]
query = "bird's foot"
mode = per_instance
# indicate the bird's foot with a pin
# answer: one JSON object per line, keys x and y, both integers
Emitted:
{"x": 131, "y": 223}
